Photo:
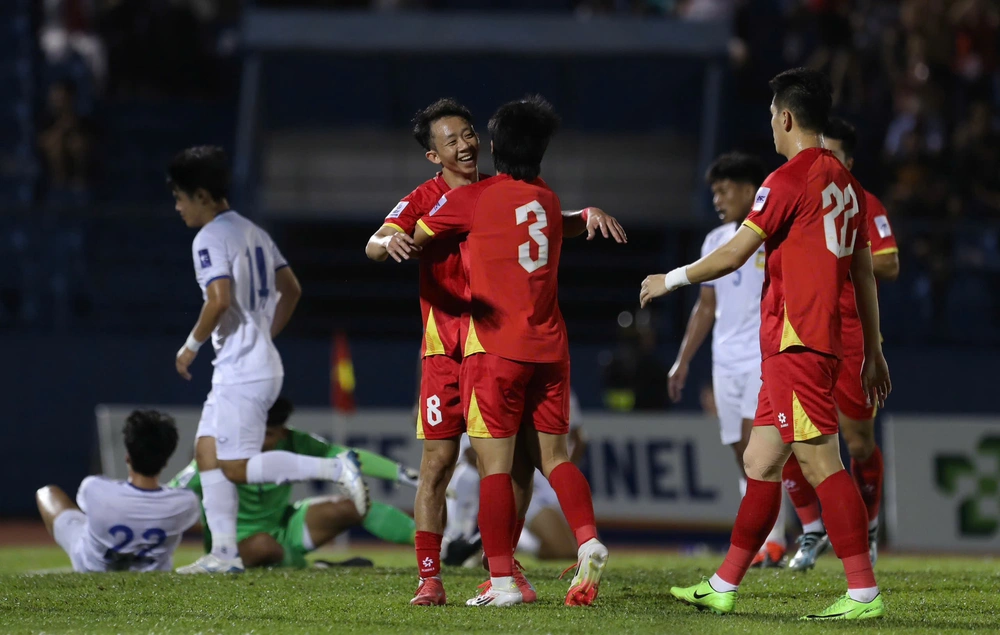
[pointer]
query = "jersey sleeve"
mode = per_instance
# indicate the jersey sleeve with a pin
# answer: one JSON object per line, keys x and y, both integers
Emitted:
{"x": 279, "y": 258}
{"x": 305, "y": 443}
{"x": 773, "y": 207}
{"x": 85, "y": 492}
{"x": 189, "y": 478}
{"x": 879, "y": 230}
{"x": 452, "y": 215}
{"x": 211, "y": 261}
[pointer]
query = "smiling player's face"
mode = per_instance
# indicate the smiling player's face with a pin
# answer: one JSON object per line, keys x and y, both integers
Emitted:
{"x": 454, "y": 146}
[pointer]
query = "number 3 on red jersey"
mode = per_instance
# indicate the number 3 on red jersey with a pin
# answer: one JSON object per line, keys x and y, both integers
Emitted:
{"x": 535, "y": 233}
{"x": 844, "y": 202}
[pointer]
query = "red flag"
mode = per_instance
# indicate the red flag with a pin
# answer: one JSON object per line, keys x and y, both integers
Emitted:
{"x": 341, "y": 375}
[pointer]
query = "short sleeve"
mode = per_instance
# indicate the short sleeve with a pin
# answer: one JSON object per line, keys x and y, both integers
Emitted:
{"x": 404, "y": 216}
{"x": 279, "y": 258}
{"x": 84, "y": 493}
{"x": 773, "y": 207}
{"x": 211, "y": 261}
{"x": 452, "y": 215}
{"x": 879, "y": 230}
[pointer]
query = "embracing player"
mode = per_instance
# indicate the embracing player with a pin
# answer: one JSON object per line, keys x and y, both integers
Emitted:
{"x": 516, "y": 366}
{"x": 446, "y": 133}
{"x": 857, "y": 413}
{"x": 132, "y": 525}
{"x": 730, "y": 308}
{"x": 814, "y": 227}
{"x": 249, "y": 295}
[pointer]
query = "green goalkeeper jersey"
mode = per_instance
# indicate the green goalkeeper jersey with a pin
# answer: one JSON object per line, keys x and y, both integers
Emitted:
{"x": 264, "y": 507}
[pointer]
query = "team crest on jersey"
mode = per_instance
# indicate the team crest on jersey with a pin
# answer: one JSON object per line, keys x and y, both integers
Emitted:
{"x": 882, "y": 225}
{"x": 444, "y": 199}
{"x": 204, "y": 258}
{"x": 761, "y": 198}
{"x": 396, "y": 211}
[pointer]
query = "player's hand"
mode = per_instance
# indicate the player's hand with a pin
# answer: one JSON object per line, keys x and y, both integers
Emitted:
{"x": 675, "y": 381}
{"x": 185, "y": 357}
{"x": 652, "y": 287}
{"x": 875, "y": 379}
{"x": 400, "y": 247}
{"x": 598, "y": 219}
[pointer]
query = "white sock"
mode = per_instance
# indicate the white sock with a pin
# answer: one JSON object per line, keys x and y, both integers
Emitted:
{"x": 221, "y": 503}
{"x": 307, "y": 539}
{"x": 815, "y": 527}
{"x": 743, "y": 487}
{"x": 863, "y": 595}
{"x": 721, "y": 585}
{"x": 529, "y": 542}
{"x": 777, "y": 534}
{"x": 280, "y": 467}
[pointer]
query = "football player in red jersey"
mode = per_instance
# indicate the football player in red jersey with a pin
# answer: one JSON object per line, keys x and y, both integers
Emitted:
{"x": 445, "y": 131}
{"x": 857, "y": 414}
{"x": 814, "y": 228}
{"x": 515, "y": 375}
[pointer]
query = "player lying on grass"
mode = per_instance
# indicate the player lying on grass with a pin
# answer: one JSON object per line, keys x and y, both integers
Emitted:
{"x": 546, "y": 534}
{"x": 271, "y": 530}
{"x": 857, "y": 413}
{"x": 814, "y": 227}
{"x": 132, "y": 525}
{"x": 446, "y": 133}
{"x": 515, "y": 374}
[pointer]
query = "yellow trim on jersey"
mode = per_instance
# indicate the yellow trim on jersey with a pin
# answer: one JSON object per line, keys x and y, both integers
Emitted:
{"x": 420, "y": 422}
{"x": 394, "y": 226}
{"x": 423, "y": 226}
{"x": 788, "y": 335}
{"x": 476, "y": 427}
{"x": 804, "y": 428}
{"x": 753, "y": 226}
{"x": 887, "y": 250}
{"x": 432, "y": 339}
{"x": 472, "y": 343}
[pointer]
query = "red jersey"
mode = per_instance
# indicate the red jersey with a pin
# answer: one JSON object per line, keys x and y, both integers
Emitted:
{"x": 810, "y": 217}
{"x": 444, "y": 288}
{"x": 511, "y": 255}
{"x": 882, "y": 242}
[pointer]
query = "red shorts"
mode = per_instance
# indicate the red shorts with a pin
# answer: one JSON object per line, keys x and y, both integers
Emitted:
{"x": 797, "y": 395}
{"x": 499, "y": 394}
{"x": 439, "y": 415}
{"x": 850, "y": 398}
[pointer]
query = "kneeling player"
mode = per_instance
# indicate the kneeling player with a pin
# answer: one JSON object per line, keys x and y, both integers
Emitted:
{"x": 271, "y": 531}
{"x": 132, "y": 525}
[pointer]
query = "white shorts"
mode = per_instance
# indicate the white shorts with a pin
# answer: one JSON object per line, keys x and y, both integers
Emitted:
{"x": 543, "y": 496}
{"x": 236, "y": 416}
{"x": 69, "y": 529}
{"x": 735, "y": 400}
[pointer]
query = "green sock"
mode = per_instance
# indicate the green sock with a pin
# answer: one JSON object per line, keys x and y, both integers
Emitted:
{"x": 390, "y": 524}
{"x": 374, "y": 465}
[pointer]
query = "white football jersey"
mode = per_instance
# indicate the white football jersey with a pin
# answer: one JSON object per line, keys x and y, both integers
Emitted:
{"x": 233, "y": 247}
{"x": 736, "y": 334}
{"x": 131, "y": 529}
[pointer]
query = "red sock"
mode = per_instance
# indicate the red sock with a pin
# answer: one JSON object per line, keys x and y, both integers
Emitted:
{"x": 800, "y": 491}
{"x": 497, "y": 517}
{"x": 428, "y": 546}
{"x": 518, "y": 528}
{"x": 868, "y": 475}
{"x": 846, "y": 523}
{"x": 573, "y": 491}
{"x": 758, "y": 512}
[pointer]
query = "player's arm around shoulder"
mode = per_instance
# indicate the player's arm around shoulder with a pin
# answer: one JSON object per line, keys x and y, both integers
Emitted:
{"x": 452, "y": 215}
{"x": 592, "y": 220}
{"x": 388, "y": 241}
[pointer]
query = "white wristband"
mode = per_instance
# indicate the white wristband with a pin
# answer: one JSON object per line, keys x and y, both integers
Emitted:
{"x": 192, "y": 344}
{"x": 676, "y": 279}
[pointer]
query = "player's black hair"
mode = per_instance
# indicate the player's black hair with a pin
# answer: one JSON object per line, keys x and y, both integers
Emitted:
{"x": 842, "y": 130}
{"x": 150, "y": 438}
{"x": 521, "y": 131}
{"x": 200, "y": 167}
{"x": 807, "y": 94}
{"x": 280, "y": 412}
{"x": 738, "y": 167}
{"x": 424, "y": 119}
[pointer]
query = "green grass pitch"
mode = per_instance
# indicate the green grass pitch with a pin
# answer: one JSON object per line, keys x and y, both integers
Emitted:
{"x": 923, "y": 595}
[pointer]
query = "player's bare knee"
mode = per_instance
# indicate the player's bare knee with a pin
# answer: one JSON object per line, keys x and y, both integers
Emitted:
{"x": 261, "y": 550}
